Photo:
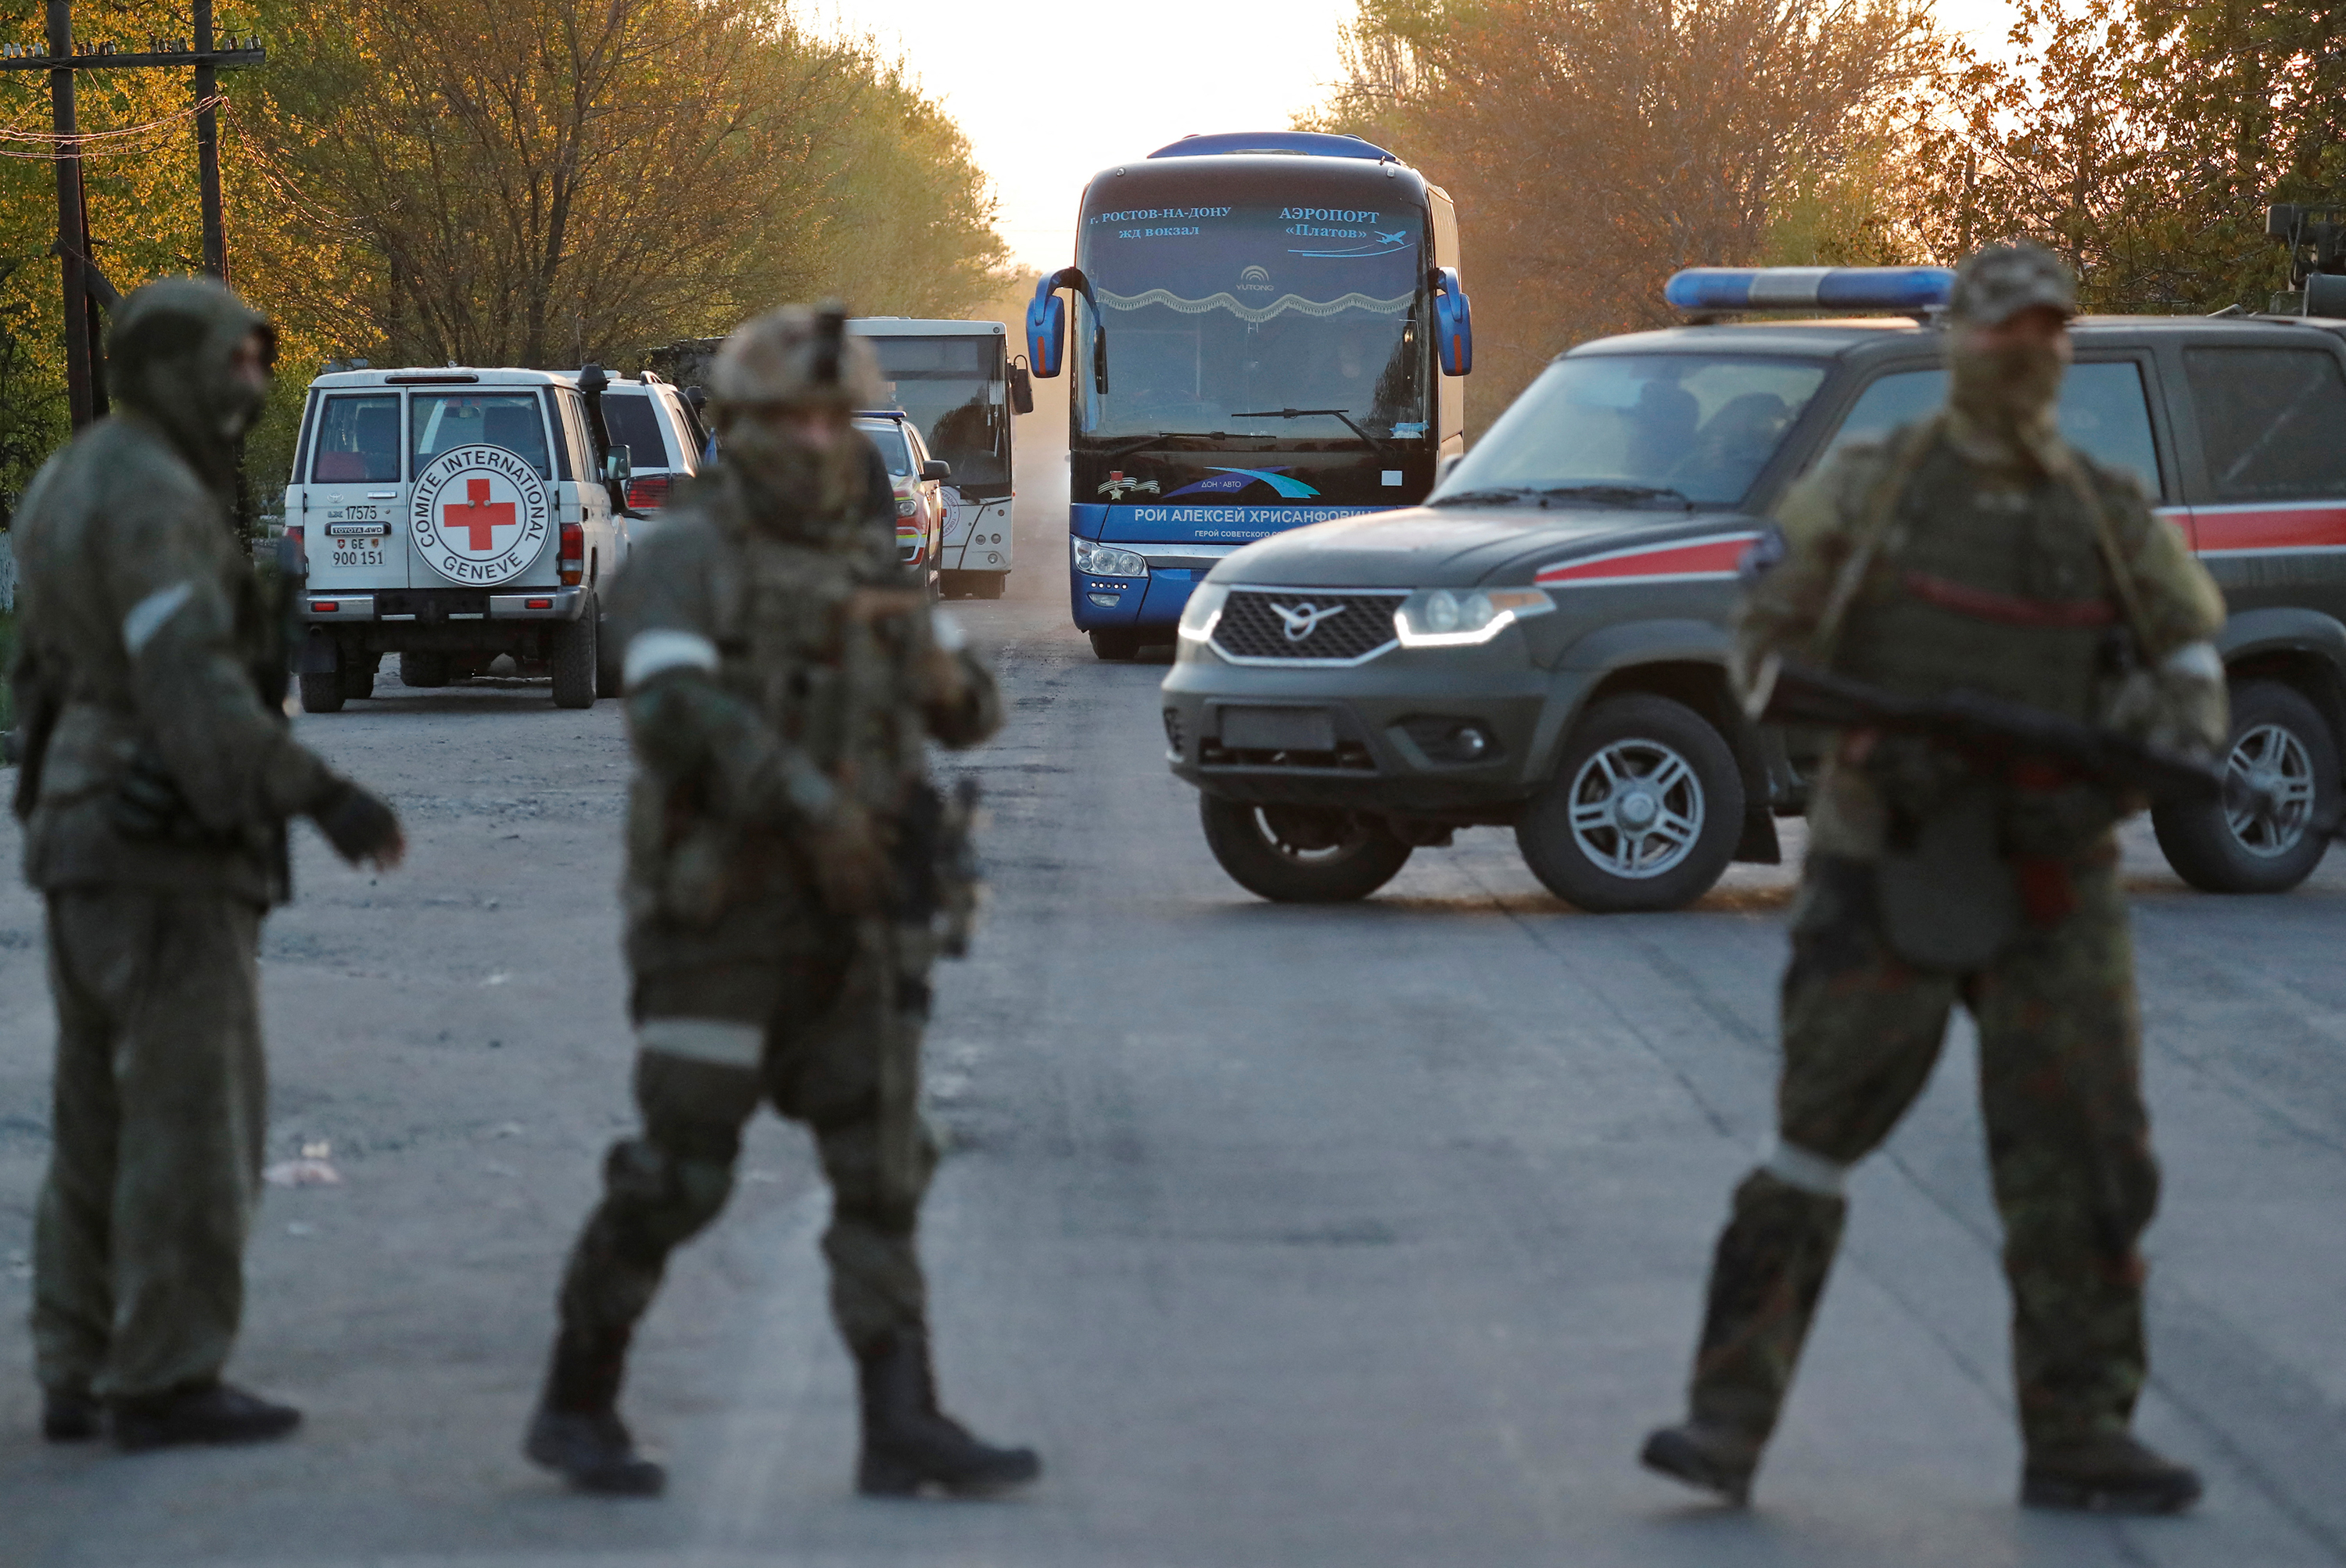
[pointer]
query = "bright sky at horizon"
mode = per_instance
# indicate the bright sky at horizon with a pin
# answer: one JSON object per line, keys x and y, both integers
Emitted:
{"x": 1065, "y": 90}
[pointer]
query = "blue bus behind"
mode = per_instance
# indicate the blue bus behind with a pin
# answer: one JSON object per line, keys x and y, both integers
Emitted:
{"x": 1268, "y": 332}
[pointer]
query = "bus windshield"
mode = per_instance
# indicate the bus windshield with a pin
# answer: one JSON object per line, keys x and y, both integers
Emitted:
{"x": 1221, "y": 318}
{"x": 954, "y": 388}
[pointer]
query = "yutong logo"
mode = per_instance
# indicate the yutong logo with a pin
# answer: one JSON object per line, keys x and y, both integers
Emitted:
{"x": 1255, "y": 281}
{"x": 1304, "y": 619}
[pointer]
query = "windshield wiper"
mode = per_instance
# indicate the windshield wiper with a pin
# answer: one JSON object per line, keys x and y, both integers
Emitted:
{"x": 1139, "y": 443}
{"x": 1345, "y": 414}
{"x": 1614, "y": 494}
{"x": 1500, "y": 496}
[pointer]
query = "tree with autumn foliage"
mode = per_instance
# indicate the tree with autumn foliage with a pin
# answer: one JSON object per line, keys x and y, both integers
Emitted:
{"x": 1596, "y": 146}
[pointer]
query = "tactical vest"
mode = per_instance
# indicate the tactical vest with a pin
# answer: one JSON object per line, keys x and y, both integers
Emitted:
{"x": 828, "y": 656}
{"x": 2003, "y": 592}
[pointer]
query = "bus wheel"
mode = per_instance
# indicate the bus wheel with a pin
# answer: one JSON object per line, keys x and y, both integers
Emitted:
{"x": 1643, "y": 812}
{"x": 990, "y": 585}
{"x": 1116, "y": 647}
{"x": 1300, "y": 854}
{"x": 423, "y": 670}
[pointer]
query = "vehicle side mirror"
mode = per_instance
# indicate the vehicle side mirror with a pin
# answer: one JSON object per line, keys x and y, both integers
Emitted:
{"x": 1454, "y": 323}
{"x": 1047, "y": 332}
{"x": 1022, "y": 387}
{"x": 937, "y": 468}
{"x": 619, "y": 465}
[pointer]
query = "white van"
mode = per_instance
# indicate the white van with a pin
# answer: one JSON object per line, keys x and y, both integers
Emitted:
{"x": 449, "y": 516}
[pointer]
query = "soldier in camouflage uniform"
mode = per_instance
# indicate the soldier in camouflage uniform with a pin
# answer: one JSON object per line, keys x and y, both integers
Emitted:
{"x": 1977, "y": 549}
{"x": 158, "y": 774}
{"x": 782, "y": 672}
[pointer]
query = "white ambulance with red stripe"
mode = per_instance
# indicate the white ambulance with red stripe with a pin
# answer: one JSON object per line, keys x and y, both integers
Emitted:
{"x": 1541, "y": 645}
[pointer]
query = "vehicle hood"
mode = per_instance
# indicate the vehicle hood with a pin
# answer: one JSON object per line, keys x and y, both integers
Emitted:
{"x": 1464, "y": 546}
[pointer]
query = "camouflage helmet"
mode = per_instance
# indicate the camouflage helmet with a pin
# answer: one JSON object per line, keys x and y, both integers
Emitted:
{"x": 796, "y": 357}
{"x": 1996, "y": 282}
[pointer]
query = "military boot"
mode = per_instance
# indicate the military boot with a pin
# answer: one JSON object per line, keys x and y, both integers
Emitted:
{"x": 71, "y": 1415}
{"x": 1705, "y": 1454}
{"x": 205, "y": 1412}
{"x": 2109, "y": 1474}
{"x": 577, "y": 1430}
{"x": 907, "y": 1440}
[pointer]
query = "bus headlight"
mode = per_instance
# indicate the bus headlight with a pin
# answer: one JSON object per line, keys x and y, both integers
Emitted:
{"x": 1203, "y": 612}
{"x": 1460, "y": 618}
{"x": 1108, "y": 560}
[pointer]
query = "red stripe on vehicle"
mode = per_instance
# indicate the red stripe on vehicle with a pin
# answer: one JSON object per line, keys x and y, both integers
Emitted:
{"x": 2227, "y": 530}
{"x": 1716, "y": 555}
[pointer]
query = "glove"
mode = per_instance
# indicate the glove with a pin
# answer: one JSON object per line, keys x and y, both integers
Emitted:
{"x": 361, "y": 826}
{"x": 847, "y": 864}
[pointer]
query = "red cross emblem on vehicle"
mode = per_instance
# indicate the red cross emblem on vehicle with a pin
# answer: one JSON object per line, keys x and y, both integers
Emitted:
{"x": 479, "y": 515}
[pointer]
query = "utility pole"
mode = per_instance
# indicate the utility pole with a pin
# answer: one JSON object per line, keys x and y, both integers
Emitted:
{"x": 85, "y": 288}
{"x": 73, "y": 231}
{"x": 207, "y": 145}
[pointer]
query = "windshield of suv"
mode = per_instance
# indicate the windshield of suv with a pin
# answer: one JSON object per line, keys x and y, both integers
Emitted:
{"x": 1689, "y": 429}
{"x": 894, "y": 450}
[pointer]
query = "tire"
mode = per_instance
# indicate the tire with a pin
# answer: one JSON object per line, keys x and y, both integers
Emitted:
{"x": 1583, "y": 836}
{"x": 990, "y": 585}
{"x": 1300, "y": 855}
{"x": 609, "y": 670}
{"x": 2235, "y": 846}
{"x": 322, "y": 693}
{"x": 1117, "y": 648}
{"x": 423, "y": 670}
{"x": 572, "y": 663}
{"x": 357, "y": 674}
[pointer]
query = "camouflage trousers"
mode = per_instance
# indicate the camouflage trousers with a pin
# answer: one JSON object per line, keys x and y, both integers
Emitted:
{"x": 815, "y": 1035}
{"x": 2068, "y": 1148}
{"x": 162, "y": 1112}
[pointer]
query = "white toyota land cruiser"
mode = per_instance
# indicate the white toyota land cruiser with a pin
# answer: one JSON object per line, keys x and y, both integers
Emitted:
{"x": 449, "y": 516}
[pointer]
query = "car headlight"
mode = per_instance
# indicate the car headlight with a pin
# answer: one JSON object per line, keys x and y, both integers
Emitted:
{"x": 1203, "y": 612}
{"x": 1108, "y": 560}
{"x": 906, "y": 506}
{"x": 1460, "y": 618}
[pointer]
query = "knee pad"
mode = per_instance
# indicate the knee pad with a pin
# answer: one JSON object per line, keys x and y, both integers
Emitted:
{"x": 659, "y": 1197}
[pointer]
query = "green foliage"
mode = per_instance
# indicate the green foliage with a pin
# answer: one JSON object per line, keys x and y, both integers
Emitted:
{"x": 505, "y": 182}
{"x": 1594, "y": 146}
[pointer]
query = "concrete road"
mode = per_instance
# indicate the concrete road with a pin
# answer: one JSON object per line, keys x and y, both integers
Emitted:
{"x": 1359, "y": 1236}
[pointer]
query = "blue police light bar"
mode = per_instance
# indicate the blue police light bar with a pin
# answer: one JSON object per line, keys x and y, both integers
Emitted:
{"x": 1911, "y": 288}
{"x": 1318, "y": 143}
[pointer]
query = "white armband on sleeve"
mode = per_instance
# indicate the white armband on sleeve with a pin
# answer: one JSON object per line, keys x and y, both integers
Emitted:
{"x": 657, "y": 652}
{"x": 148, "y": 615}
{"x": 2195, "y": 659}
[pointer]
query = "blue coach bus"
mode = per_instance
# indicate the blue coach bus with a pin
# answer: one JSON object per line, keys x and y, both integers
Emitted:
{"x": 1269, "y": 327}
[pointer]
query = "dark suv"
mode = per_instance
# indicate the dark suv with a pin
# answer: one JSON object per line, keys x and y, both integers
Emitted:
{"x": 1542, "y": 644}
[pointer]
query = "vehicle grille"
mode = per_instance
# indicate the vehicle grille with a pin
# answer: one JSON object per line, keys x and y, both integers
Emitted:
{"x": 1252, "y": 627}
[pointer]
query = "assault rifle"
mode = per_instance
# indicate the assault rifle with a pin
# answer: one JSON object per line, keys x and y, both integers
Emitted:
{"x": 1993, "y": 730}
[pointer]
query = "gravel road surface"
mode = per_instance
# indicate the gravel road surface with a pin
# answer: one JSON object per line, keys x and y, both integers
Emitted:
{"x": 1362, "y": 1236}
